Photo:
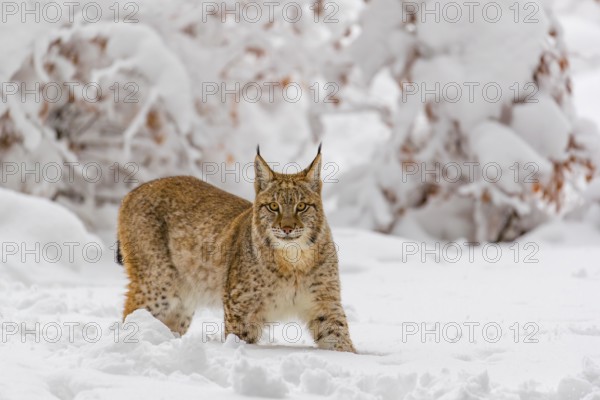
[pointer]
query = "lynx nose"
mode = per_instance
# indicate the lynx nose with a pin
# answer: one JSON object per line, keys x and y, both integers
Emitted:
{"x": 287, "y": 229}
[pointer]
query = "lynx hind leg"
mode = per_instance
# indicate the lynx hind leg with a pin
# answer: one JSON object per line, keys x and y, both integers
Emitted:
{"x": 155, "y": 284}
{"x": 163, "y": 304}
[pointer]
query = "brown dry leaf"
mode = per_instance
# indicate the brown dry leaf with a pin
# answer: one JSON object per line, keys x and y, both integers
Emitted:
{"x": 318, "y": 7}
{"x": 563, "y": 63}
{"x": 286, "y": 81}
{"x": 429, "y": 112}
{"x": 100, "y": 42}
{"x": 485, "y": 197}
{"x": 233, "y": 114}
{"x": 256, "y": 51}
{"x": 542, "y": 68}
{"x": 189, "y": 30}
{"x": 49, "y": 67}
{"x": 159, "y": 138}
{"x": 153, "y": 120}
{"x": 43, "y": 113}
{"x": 389, "y": 195}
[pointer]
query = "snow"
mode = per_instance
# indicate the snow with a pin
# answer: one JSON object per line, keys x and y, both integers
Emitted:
{"x": 581, "y": 25}
{"x": 29, "y": 223}
{"x": 475, "y": 51}
{"x": 586, "y": 89}
{"x": 256, "y": 380}
{"x": 499, "y": 150}
{"x": 536, "y": 122}
{"x": 390, "y": 287}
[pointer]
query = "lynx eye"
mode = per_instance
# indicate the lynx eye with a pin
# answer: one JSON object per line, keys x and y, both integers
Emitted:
{"x": 301, "y": 207}
{"x": 273, "y": 206}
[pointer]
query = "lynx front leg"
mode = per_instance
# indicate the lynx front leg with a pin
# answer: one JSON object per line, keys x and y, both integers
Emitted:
{"x": 244, "y": 321}
{"x": 327, "y": 323}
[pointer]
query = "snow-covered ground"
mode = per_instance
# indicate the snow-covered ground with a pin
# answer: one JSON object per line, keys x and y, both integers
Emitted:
{"x": 542, "y": 293}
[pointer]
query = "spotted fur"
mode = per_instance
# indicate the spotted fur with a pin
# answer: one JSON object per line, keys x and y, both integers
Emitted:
{"x": 186, "y": 244}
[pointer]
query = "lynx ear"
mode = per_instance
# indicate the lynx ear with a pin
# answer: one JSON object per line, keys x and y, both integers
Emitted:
{"x": 313, "y": 172}
{"x": 263, "y": 174}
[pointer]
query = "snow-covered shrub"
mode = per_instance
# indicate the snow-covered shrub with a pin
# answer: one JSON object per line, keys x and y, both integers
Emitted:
{"x": 485, "y": 144}
{"x": 157, "y": 90}
{"x": 93, "y": 109}
{"x": 163, "y": 88}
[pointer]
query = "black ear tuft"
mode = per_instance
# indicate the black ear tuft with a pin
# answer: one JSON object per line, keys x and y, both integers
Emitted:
{"x": 313, "y": 172}
{"x": 258, "y": 150}
{"x": 319, "y": 151}
{"x": 263, "y": 174}
{"x": 119, "y": 255}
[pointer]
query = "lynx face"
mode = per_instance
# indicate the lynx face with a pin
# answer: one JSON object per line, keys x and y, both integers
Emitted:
{"x": 288, "y": 208}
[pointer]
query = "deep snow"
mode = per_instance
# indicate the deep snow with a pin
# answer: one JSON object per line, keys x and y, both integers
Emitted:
{"x": 388, "y": 291}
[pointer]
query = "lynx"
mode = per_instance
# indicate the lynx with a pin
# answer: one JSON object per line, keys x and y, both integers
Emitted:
{"x": 186, "y": 243}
